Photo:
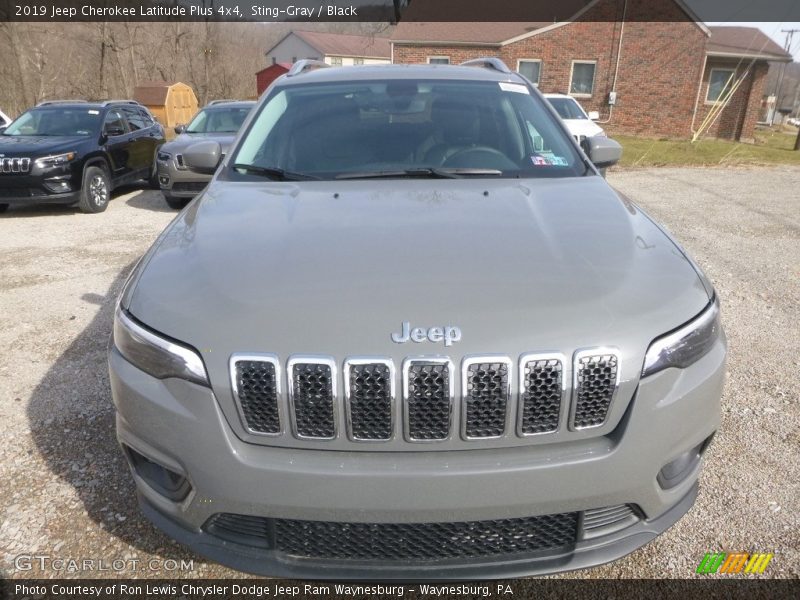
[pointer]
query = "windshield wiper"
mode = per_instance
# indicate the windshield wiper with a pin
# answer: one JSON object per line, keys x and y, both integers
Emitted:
{"x": 273, "y": 173}
{"x": 422, "y": 172}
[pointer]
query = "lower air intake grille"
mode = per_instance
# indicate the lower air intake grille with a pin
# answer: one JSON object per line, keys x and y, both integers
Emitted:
{"x": 486, "y": 396}
{"x": 429, "y": 401}
{"x": 312, "y": 399}
{"x": 602, "y": 521}
{"x": 425, "y": 541}
{"x": 595, "y": 383}
{"x": 541, "y": 392}
{"x": 370, "y": 401}
{"x": 257, "y": 393}
{"x": 240, "y": 529}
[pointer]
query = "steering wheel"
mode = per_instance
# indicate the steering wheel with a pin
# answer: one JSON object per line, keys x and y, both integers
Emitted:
{"x": 483, "y": 157}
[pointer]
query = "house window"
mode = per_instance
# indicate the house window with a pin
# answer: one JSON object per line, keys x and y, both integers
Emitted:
{"x": 530, "y": 68}
{"x": 274, "y": 60}
{"x": 720, "y": 82}
{"x": 336, "y": 61}
{"x": 438, "y": 60}
{"x": 581, "y": 81}
{"x": 358, "y": 61}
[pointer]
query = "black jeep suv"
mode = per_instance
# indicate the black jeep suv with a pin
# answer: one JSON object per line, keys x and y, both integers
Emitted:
{"x": 69, "y": 152}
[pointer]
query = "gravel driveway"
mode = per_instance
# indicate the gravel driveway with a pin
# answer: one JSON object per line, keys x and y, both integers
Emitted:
{"x": 66, "y": 490}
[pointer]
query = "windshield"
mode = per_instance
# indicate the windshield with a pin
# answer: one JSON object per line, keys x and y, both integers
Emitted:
{"x": 218, "y": 120}
{"x": 56, "y": 121}
{"x": 568, "y": 108}
{"x": 405, "y": 128}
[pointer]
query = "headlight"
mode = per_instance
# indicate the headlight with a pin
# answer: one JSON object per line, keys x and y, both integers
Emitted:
{"x": 55, "y": 161}
{"x": 686, "y": 344}
{"x": 164, "y": 156}
{"x": 158, "y": 356}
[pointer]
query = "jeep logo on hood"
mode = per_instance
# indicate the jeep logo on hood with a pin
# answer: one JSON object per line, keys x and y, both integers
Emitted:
{"x": 448, "y": 334}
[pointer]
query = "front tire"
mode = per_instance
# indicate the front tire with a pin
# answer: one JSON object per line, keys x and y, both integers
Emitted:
{"x": 174, "y": 202}
{"x": 4, "y": 207}
{"x": 96, "y": 190}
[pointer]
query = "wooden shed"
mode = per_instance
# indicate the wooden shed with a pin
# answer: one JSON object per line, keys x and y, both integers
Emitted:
{"x": 266, "y": 76}
{"x": 171, "y": 103}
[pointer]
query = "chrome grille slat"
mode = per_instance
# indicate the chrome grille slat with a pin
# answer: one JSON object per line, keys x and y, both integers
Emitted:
{"x": 428, "y": 399}
{"x": 312, "y": 396}
{"x": 487, "y": 410}
{"x": 15, "y": 164}
{"x": 256, "y": 382}
{"x": 486, "y": 392}
{"x": 595, "y": 383}
{"x": 369, "y": 390}
{"x": 542, "y": 388}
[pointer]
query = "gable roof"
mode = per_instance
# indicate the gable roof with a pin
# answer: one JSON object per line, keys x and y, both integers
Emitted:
{"x": 152, "y": 93}
{"x": 492, "y": 34}
{"x": 414, "y": 29}
{"x": 340, "y": 44}
{"x": 744, "y": 42}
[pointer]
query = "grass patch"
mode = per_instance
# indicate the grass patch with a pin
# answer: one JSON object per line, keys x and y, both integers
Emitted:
{"x": 772, "y": 147}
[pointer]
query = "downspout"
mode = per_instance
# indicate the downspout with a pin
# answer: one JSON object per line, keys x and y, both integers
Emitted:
{"x": 699, "y": 89}
{"x": 391, "y": 52}
{"x": 616, "y": 68}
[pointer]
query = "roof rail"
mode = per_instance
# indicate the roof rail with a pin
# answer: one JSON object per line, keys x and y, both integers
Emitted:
{"x": 223, "y": 101}
{"x": 110, "y": 102}
{"x": 488, "y": 62}
{"x": 53, "y": 102}
{"x": 307, "y": 64}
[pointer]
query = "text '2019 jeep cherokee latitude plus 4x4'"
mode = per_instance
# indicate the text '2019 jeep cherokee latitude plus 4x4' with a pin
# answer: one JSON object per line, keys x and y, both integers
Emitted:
{"x": 408, "y": 332}
{"x": 67, "y": 152}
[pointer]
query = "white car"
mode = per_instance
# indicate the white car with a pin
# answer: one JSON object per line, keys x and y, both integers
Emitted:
{"x": 580, "y": 123}
{"x": 5, "y": 121}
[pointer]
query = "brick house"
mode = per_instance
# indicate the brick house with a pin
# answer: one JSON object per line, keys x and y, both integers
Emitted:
{"x": 648, "y": 68}
{"x": 332, "y": 48}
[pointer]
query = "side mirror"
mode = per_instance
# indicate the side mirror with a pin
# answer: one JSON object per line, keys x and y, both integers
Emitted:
{"x": 203, "y": 157}
{"x": 602, "y": 151}
{"x": 594, "y": 115}
{"x": 179, "y": 129}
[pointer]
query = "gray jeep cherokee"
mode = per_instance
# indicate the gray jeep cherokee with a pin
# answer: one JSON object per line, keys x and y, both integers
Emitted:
{"x": 409, "y": 332}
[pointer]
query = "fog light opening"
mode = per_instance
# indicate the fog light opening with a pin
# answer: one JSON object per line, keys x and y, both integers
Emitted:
{"x": 676, "y": 471}
{"x": 58, "y": 187}
{"x": 166, "y": 482}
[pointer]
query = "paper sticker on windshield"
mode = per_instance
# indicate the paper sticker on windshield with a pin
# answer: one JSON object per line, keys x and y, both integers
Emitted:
{"x": 549, "y": 160}
{"x": 94, "y": 112}
{"x": 514, "y": 87}
{"x": 540, "y": 161}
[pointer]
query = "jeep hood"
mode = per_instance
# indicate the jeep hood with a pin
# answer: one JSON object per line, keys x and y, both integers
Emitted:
{"x": 39, "y": 145}
{"x": 334, "y": 268}
{"x": 184, "y": 140}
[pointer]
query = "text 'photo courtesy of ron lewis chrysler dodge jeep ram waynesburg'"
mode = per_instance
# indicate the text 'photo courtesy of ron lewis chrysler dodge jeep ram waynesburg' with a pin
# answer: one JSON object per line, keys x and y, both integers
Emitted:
{"x": 409, "y": 332}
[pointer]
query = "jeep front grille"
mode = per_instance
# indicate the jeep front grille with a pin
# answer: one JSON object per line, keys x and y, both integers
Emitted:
{"x": 15, "y": 165}
{"x": 369, "y": 396}
{"x": 312, "y": 395}
{"x": 595, "y": 381}
{"x": 428, "y": 395}
{"x": 491, "y": 397}
{"x": 256, "y": 384}
{"x": 541, "y": 393}
{"x": 486, "y": 391}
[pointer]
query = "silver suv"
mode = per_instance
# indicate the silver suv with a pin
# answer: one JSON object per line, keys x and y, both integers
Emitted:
{"x": 408, "y": 332}
{"x": 219, "y": 121}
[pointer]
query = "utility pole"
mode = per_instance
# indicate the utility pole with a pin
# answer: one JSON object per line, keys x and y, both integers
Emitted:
{"x": 786, "y": 46}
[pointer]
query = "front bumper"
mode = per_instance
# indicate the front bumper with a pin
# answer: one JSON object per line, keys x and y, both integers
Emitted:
{"x": 179, "y": 425}
{"x": 179, "y": 183}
